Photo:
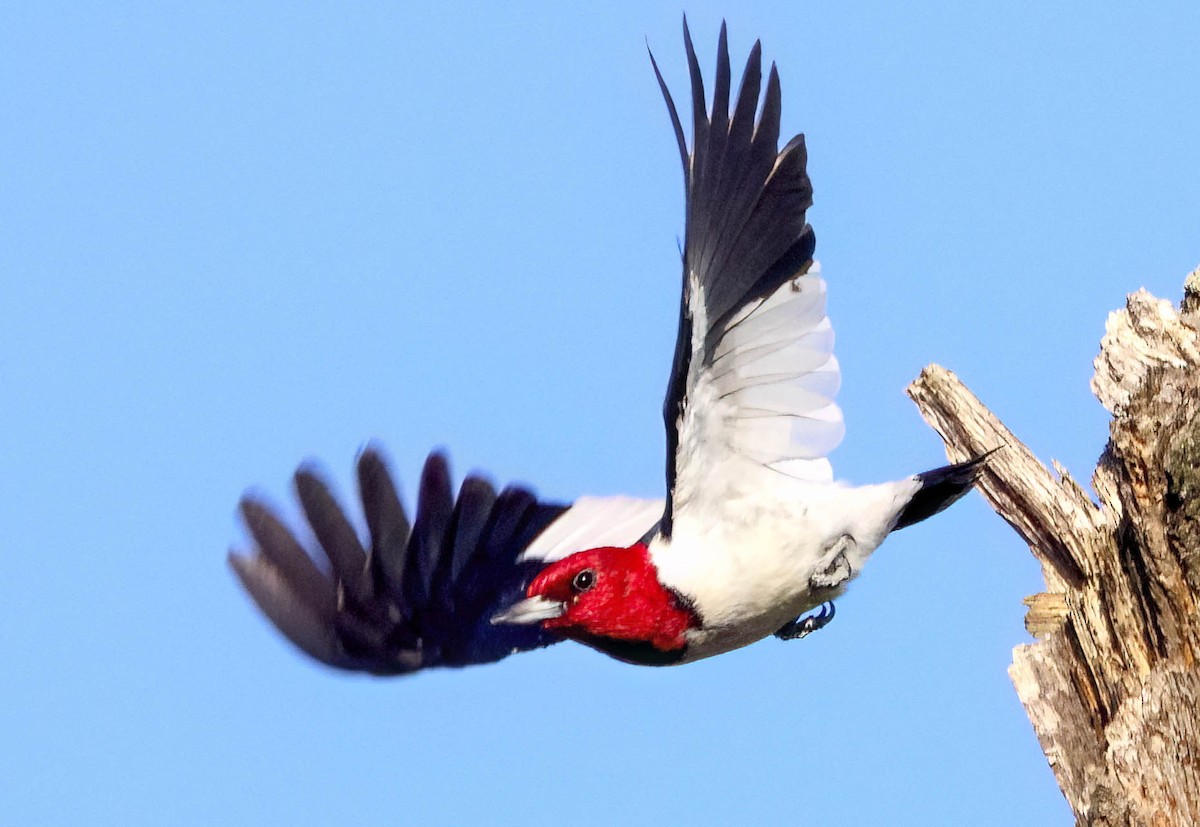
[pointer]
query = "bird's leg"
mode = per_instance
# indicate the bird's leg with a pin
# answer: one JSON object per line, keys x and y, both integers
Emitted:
{"x": 838, "y": 570}
{"x": 827, "y": 576}
{"x": 805, "y": 625}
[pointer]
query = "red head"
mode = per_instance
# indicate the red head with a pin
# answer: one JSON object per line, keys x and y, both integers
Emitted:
{"x": 605, "y": 594}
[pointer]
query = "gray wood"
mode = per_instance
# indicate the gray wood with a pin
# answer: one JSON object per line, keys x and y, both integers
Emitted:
{"x": 1112, "y": 685}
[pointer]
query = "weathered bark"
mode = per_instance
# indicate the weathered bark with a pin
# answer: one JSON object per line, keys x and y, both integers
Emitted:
{"x": 1111, "y": 685}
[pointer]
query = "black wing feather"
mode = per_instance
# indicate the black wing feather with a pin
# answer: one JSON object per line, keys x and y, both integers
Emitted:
{"x": 475, "y": 501}
{"x": 347, "y": 557}
{"x": 387, "y": 525}
{"x": 435, "y": 507}
{"x": 412, "y": 598}
{"x": 746, "y": 232}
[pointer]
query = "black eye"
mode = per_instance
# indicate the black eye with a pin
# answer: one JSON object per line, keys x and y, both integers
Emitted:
{"x": 584, "y": 580}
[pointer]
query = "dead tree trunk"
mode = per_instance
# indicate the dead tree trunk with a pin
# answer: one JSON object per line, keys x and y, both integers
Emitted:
{"x": 1112, "y": 685}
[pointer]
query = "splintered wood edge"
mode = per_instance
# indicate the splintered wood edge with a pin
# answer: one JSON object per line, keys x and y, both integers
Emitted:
{"x": 1042, "y": 509}
{"x": 1116, "y": 720}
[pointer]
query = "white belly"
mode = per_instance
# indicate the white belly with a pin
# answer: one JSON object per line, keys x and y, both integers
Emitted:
{"x": 749, "y": 574}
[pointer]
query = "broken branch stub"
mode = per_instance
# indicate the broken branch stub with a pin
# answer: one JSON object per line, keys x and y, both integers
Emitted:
{"x": 1112, "y": 685}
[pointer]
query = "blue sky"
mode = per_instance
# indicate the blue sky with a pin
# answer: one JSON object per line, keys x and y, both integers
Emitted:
{"x": 237, "y": 236}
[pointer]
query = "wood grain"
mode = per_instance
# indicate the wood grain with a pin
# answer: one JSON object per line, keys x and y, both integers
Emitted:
{"x": 1111, "y": 686}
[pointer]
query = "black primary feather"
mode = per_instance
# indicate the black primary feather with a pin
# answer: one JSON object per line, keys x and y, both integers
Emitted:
{"x": 410, "y": 598}
{"x": 746, "y": 232}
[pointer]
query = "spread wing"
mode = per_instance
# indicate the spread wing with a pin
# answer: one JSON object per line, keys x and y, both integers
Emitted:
{"x": 754, "y": 377}
{"x": 421, "y": 594}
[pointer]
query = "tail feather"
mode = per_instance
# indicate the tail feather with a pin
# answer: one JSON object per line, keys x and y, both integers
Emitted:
{"x": 940, "y": 488}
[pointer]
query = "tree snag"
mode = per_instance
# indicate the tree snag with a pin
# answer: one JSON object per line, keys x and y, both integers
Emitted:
{"x": 1111, "y": 684}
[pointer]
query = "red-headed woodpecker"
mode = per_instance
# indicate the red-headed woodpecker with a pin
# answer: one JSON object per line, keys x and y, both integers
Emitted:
{"x": 754, "y": 532}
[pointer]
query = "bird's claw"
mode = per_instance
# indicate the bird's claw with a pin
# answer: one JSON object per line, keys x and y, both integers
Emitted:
{"x": 804, "y": 626}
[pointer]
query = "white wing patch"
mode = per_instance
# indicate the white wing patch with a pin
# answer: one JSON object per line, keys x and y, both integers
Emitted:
{"x": 775, "y": 364}
{"x": 595, "y": 522}
{"x": 764, "y": 405}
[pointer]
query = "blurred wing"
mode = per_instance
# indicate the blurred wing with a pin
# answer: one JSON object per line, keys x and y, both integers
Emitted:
{"x": 754, "y": 376}
{"x": 414, "y": 596}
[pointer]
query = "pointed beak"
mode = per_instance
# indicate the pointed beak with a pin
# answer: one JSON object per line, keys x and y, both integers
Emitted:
{"x": 531, "y": 610}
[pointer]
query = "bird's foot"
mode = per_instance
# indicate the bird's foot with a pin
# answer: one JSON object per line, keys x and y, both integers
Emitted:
{"x": 807, "y": 624}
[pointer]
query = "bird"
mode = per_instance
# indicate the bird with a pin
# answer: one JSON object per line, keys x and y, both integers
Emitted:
{"x": 754, "y": 537}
